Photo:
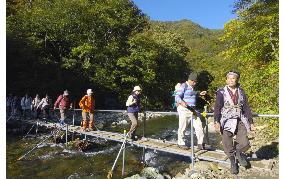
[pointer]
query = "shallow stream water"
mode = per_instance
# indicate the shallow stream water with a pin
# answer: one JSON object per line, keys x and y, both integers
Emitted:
{"x": 52, "y": 160}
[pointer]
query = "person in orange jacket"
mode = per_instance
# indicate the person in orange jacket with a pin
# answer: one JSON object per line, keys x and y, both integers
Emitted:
{"x": 87, "y": 104}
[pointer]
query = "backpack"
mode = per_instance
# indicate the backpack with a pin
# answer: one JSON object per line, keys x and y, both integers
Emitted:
{"x": 129, "y": 101}
{"x": 174, "y": 104}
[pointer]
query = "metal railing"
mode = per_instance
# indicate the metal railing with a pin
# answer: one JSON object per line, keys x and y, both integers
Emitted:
{"x": 204, "y": 114}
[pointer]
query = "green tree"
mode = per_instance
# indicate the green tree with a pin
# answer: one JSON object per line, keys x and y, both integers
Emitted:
{"x": 156, "y": 62}
{"x": 78, "y": 40}
{"x": 252, "y": 42}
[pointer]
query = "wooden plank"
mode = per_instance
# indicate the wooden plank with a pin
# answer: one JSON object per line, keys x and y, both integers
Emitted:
{"x": 212, "y": 154}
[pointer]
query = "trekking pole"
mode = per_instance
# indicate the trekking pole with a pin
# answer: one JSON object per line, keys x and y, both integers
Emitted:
{"x": 192, "y": 144}
{"x": 204, "y": 114}
{"x": 122, "y": 147}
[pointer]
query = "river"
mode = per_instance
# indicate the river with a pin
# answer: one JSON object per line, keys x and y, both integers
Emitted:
{"x": 52, "y": 160}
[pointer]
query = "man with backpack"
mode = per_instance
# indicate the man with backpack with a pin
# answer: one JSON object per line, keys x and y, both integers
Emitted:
{"x": 64, "y": 103}
{"x": 186, "y": 101}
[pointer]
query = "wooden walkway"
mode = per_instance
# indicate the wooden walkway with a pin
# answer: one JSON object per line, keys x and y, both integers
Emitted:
{"x": 155, "y": 144}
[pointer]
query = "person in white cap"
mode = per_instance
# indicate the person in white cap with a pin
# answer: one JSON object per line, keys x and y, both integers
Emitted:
{"x": 87, "y": 104}
{"x": 64, "y": 103}
{"x": 133, "y": 107}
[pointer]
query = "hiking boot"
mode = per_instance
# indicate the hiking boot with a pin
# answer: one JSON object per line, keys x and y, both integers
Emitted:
{"x": 183, "y": 147}
{"x": 234, "y": 166}
{"x": 134, "y": 137}
{"x": 91, "y": 124}
{"x": 84, "y": 125}
{"x": 242, "y": 159}
{"x": 201, "y": 146}
{"x": 86, "y": 129}
{"x": 61, "y": 122}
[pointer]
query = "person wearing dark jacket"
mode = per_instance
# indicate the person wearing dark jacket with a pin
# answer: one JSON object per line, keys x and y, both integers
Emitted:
{"x": 232, "y": 116}
{"x": 64, "y": 103}
{"x": 133, "y": 107}
{"x": 16, "y": 105}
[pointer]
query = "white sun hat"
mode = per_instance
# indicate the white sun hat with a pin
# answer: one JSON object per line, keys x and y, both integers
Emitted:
{"x": 137, "y": 88}
{"x": 89, "y": 91}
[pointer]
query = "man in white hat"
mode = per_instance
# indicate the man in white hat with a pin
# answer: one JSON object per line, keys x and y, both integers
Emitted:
{"x": 87, "y": 104}
{"x": 64, "y": 103}
{"x": 133, "y": 107}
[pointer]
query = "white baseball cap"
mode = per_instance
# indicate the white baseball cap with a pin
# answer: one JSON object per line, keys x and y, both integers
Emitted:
{"x": 89, "y": 91}
{"x": 137, "y": 88}
{"x": 65, "y": 93}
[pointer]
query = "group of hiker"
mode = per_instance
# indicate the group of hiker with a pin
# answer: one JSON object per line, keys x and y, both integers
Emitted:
{"x": 232, "y": 114}
{"x": 232, "y": 117}
{"x": 26, "y": 107}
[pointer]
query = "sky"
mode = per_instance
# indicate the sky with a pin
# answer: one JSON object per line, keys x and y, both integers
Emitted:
{"x": 207, "y": 13}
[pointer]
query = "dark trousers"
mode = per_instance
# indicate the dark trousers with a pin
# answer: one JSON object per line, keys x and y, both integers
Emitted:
{"x": 36, "y": 113}
{"x": 241, "y": 143}
{"x": 45, "y": 111}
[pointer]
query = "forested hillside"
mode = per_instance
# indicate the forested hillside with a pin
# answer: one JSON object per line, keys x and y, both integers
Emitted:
{"x": 111, "y": 46}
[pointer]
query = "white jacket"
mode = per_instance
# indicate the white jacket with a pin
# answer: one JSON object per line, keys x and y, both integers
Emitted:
{"x": 44, "y": 102}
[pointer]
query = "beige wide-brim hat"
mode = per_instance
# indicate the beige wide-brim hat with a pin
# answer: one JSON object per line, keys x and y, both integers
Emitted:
{"x": 89, "y": 91}
{"x": 137, "y": 88}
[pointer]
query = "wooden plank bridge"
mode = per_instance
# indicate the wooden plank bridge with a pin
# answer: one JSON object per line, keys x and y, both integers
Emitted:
{"x": 154, "y": 144}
